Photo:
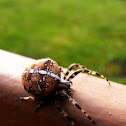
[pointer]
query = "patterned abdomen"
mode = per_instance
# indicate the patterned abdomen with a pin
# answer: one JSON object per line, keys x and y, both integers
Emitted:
{"x": 41, "y": 78}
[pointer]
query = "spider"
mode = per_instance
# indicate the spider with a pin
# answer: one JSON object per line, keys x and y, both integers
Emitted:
{"x": 43, "y": 78}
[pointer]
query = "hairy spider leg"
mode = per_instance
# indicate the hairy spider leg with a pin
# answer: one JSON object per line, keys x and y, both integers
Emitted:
{"x": 33, "y": 99}
{"x": 77, "y": 105}
{"x": 71, "y": 67}
{"x": 87, "y": 71}
{"x": 63, "y": 112}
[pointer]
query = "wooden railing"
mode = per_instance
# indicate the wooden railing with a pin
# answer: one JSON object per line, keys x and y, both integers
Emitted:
{"x": 105, "y": 104}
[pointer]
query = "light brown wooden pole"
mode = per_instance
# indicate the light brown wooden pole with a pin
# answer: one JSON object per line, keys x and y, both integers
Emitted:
{"x": 105, "y": 104}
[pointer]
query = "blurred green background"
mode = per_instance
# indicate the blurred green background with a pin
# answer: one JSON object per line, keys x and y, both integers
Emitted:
{"x": 89, "y": 32}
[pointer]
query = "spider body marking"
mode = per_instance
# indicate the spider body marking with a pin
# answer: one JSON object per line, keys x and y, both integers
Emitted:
{"x": 43, "y": 78}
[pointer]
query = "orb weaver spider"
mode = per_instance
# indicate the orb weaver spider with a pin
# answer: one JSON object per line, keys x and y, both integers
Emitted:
{"x": 43, "y": 78}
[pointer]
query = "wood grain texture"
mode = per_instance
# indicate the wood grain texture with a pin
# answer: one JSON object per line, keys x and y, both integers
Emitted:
{"x": 105, "y": 104}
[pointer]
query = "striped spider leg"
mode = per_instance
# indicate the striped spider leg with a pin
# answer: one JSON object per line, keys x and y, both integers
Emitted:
{"x": 82, "y": 69}
{"x": 63, "y": 112}
{"x": 71, "y": 67}
{"x": 64, "y": 92}
{"x": 65, "y": 84}
{"x": 77, "y": 105}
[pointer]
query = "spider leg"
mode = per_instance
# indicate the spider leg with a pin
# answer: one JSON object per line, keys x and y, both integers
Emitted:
{"x": 89, "y": 72}
{"x": 33, "y": 99}
{"x": 27, "y": 98}
{"x": 63, "y": 112}
{"x": 71, "y": 67}
{"x": 66, "y": 88}
{"x": 77, "y": 105}
{"x": 61, "y": 70}
{"x": 38, "y": 106}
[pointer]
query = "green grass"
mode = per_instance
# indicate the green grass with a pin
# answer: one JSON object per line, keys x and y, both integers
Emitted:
{"x": 92, "y": 33}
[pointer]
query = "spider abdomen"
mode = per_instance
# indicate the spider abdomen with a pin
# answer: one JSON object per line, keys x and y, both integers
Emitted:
{"x": 41, "y": 78}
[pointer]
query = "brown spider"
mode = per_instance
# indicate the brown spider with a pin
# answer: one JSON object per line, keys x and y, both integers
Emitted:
{"x": 43, "y": 78}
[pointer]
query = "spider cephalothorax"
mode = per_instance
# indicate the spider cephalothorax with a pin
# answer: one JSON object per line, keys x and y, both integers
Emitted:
{"x": 43, "y": 78}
